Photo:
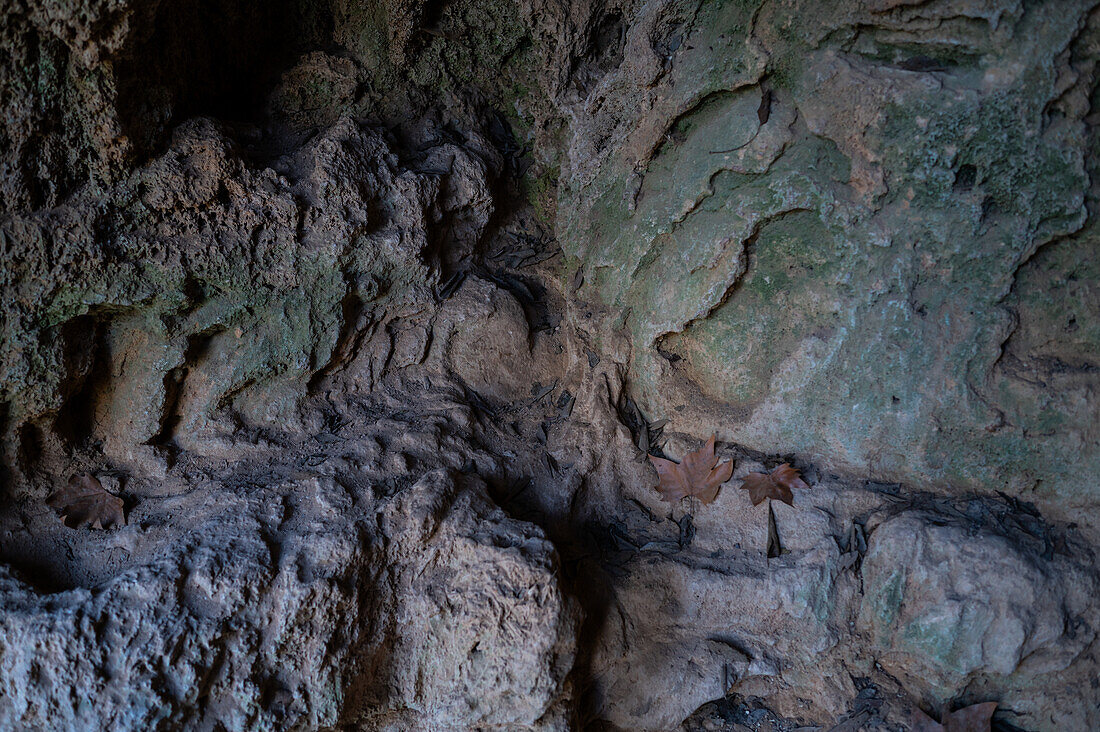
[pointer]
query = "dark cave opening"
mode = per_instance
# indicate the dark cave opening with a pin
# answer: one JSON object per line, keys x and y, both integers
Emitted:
{"x": 86, "y": 356}
{"x": 210, "y": 58}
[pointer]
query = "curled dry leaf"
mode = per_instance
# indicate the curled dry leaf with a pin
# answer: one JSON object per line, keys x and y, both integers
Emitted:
{"x": 777, "y": 484}
{"x": 698, "y": 475}
{"x": 974, "y": 718}
{"x": 83, "y": 502}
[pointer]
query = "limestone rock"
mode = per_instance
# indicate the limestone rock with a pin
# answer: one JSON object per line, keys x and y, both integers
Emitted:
{"x": 860, "y": 240}
{"x": 484, "y": 338}
{"x": 945, "y": 608}
{"x": 296, "y": 604}
{"x": 794, "y": 222}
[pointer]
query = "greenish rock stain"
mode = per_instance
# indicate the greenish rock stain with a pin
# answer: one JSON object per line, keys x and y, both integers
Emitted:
{"x": 865, "y": 331}
{"x": 885, "y": 604}
{"x": 778, "y": 305}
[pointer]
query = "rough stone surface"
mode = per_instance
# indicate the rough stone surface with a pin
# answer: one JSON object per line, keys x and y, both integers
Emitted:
{"x": 370, "y": 311}
{"x": 943, "y": 608}
{"x": 308, "y": 601}
{"x": 223, "y": 282}
{"x": 829, "y": 229}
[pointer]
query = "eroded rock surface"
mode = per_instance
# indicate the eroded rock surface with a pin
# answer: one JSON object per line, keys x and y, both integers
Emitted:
{"x": 943, "y": 607}
{"x": 822, "y": 230}
{"x": 371, "y": 311}
{"x": 302, "y": 600}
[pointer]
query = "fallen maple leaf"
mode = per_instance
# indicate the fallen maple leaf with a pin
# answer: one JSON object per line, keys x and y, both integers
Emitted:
{"x": 776, "y": 484}
{"x": 83, "y": 502}
{"x": 696, "y": 475}
{"x": 974, "y": 718}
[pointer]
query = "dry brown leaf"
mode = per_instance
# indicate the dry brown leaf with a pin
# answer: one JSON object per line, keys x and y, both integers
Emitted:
{"x": 698, "y": 475}
{"x": 974, "y": 718}
{"x": 83, "y": 502}
{"x": 776, "y": 484}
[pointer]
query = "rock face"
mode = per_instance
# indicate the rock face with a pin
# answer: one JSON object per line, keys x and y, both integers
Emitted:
{"x": 943, "y": 600}
{"x": 835, "y": 231}
{"x": 370, "y": 311}
{"x": 299, "y": 603}
{"x": 228, "y": 284}
{"x": 942, "y": 608}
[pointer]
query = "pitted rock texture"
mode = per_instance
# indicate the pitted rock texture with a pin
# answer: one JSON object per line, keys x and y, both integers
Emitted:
{"x": 302, "y": 601}
{"x": 371, "y": 311}
{"x": 219, "y": 283}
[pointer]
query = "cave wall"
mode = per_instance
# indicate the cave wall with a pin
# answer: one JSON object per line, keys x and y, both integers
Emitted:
{"x": 129, "y": 239}
{"x": 248, "y": 275}
{"x": 212, "y": 214}
{"x": 862, "y": 232}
